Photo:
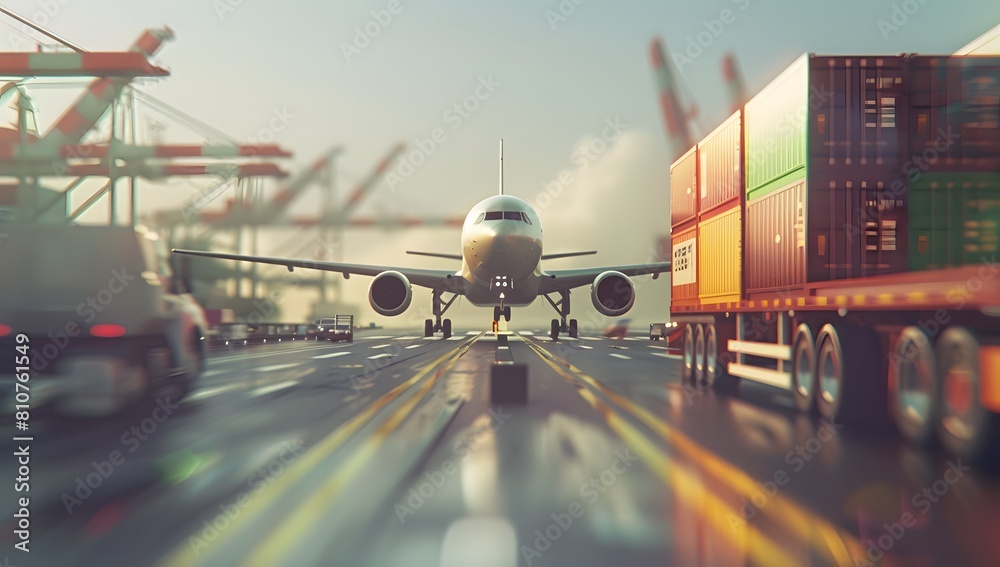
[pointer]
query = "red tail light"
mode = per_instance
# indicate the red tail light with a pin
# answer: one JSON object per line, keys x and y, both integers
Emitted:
{"x": 4, "y": 330}
{"x": 107, "y": 330}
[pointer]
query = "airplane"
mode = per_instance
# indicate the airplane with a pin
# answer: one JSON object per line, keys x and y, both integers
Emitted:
{"x": 501, "y": 255}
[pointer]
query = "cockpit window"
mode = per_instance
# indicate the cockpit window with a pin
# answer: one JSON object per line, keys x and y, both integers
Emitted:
{"x": 504, "y": 215}
{"x": 480, "y": 218}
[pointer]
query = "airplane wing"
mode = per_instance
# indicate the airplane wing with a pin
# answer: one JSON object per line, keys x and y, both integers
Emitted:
{"x": 563, "y": 280}
{"x": 424, "y": 278}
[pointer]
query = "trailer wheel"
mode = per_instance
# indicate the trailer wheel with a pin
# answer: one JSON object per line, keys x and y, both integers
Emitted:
{"x": 915, "y": 383}
{"x": 848, "y": 374}
{"x": 965, "y": 428}
{"x": 804, "y": 369}
{"x": 699, "y": 355}
{"x": 687, "y": 368}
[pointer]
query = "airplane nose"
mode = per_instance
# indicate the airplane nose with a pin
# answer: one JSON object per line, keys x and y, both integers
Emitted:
{"x": 508, "y": 251}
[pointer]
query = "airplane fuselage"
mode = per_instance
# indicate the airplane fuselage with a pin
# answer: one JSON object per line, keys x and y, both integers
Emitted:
{"x": 501, "y": 252}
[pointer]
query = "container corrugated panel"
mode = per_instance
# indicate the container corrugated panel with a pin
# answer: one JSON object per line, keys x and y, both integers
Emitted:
{"x": 720, "y": 164}
{"x": 857, "y": 109}
{"x": 684, "y": 268}
{"x": 955, "y": 114}
{"x": 954, "y": 219}
{"x": 720, "y": 251}
{"x": 684, "y": 188}
{"x": 774, "y": 124}
{"x": 775, "y": 243}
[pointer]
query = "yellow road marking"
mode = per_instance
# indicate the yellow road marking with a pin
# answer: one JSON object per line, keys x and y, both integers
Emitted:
{"x": 181, "y": 557}
{"x": 841, "y": 545}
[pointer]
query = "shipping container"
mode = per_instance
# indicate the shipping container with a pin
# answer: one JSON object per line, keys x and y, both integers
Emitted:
{"x": 720, "y": 253}
{"x": 684, "y": 188}
{"x": 954, "y": 114}
{"x": 684, "y": 271}
{"x": 826, "y": 193}
{"x": 720, "y": 165}
{"x": 954, "y": 219}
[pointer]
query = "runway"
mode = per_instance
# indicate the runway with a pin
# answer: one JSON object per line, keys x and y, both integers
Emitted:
{"x": 388, "y": 452}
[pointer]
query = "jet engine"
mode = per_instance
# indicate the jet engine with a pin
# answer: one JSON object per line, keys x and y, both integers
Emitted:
{"x": 613, "y": 294}
{"x": 389, "y": 293}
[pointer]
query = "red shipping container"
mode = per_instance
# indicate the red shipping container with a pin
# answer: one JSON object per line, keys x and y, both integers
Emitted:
{"x": 684, "y": 269}
{"x": 684, "y": 188}
{"x": 720, "y": 165}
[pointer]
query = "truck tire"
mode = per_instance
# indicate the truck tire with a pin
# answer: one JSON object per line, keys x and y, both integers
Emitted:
{"x": 917, "y": 391}
{"x": 687, "y": 368}
{"x": 699, "y": 355}
{"x": 804, "y": 369}
{"x": 851, "y": 385}
{"x": 966, "y": 429}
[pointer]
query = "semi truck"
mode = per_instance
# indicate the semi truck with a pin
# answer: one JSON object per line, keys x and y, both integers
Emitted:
{"x": 837, "y": 238}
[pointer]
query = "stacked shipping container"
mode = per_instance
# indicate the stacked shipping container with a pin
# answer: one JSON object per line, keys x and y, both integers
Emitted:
{"x": 836, "y": 179}
{"x": 706, "y": 191}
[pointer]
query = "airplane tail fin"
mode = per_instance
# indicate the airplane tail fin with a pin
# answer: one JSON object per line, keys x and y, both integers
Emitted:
{"x": 501, "y": 166}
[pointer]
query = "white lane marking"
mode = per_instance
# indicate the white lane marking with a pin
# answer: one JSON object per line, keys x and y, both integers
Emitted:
{"x": 670, "y": 356}
{"x": 208, "y": 373}
{"x": 406, "y": 338}
{"x": 381, "y": 346}
{"x": 377, "y": 356}
{"x": 240, "y": 357}
{"x": 529, "y": 333}
{"x": 274, "y": 367}
{"x": 503, "y": 347}
{"x": 458, "y": 338}
{"x": 632, "y": 339}
{"x": 430, "y": 338}
{"x": 472, "y": 332}
{"x": 590, "y": 338}
{"x": 272, "y": 388}
{"x": 209, "y": 392}
{"x": 418, "y": 345}
{"x": 621, "y": 356}
{"x": 332, "y": 355}
{"x": 378, "y": 337}
{"x": 587, "y": 347}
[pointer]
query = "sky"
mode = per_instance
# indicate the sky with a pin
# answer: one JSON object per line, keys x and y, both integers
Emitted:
{"x": 548, "y": 77}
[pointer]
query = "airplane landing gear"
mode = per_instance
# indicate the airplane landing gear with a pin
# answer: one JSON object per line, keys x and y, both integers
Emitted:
{"x": 559, "y": 325}
{"x": 501, "y": 312}
{"x": 439, "y": 307}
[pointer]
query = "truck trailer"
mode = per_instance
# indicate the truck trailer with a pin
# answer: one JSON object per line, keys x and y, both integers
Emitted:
{"x": 837, "y": 237}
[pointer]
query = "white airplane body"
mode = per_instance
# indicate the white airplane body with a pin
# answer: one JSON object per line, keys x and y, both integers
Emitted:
{"x": 501, "y": 255}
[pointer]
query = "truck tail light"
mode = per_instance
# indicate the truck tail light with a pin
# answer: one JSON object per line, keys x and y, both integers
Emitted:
{"x": 107, "y": 330}
{"x": 4, "y": 330}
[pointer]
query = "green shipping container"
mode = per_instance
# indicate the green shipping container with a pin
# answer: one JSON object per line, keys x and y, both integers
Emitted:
{"x": 954, "y": 219}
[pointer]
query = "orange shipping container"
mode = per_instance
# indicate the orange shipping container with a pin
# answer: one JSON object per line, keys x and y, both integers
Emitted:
{"x": 684, "y": 271}
{"x": 720, "y": 253}
{"x": 684, "y": 188}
